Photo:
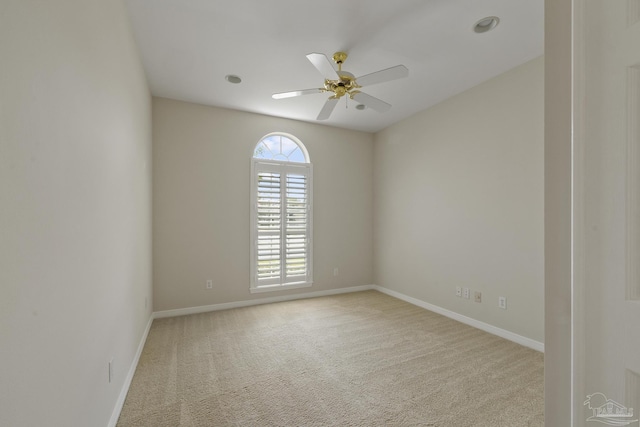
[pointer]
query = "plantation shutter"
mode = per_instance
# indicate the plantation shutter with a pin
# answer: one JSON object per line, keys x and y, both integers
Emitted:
{"x": 297, "y": 227}
{"x": 269, "y": 207}
{"x": 282, "y": 232}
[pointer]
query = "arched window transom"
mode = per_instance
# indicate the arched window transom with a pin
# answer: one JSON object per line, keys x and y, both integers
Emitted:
{"x": 281, "y": 147}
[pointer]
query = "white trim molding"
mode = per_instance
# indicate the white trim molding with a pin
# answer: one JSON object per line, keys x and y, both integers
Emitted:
{"x": 115, "y": 414}
{"x": 494, "y": 330}
{"x": 511, "y": 336}
{"x": 247, "y": 303}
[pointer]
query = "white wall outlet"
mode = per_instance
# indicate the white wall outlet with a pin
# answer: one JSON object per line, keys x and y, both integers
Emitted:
{"x": 209, "y": 284}
{"x": 502, "y": 302}
{"x": 458, "y": 291}
{"x": 335, "y": 271}
{"x": 466, "y": 293}
{"x": 111, "y": 369}
{"x": 477, "y": 296}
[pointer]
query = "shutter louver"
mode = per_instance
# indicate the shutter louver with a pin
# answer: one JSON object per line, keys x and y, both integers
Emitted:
{"x": 296, "y": 227}
{"x": 268, "y": 245}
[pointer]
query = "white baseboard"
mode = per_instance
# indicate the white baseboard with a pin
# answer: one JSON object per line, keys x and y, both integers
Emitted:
{"x": 527, "y": 342}
{"x": 127, "y": 381}
{"x": 511, "y": 336}
{"x": 247, "y": 303}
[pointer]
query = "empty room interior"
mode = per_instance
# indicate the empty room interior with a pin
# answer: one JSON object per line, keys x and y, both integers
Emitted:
{"x": 290, "y": 214}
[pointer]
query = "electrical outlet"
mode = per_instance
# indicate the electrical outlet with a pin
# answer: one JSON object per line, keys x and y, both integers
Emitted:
{"x": 209, "y": 284}
{"x": 335, "y": 271}
{"x": 502, "y": 302}
{"x": 477, "y": 296}
{"x": 466, "y": 293}
{"x": 458, "y": 291}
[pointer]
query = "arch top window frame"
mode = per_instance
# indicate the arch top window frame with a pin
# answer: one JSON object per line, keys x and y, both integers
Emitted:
{"x": 282, "y": 147}
{"x": 281, "y": 214}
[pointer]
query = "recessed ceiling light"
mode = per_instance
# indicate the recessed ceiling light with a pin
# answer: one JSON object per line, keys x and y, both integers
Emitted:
{"x": 486, "y": 24}
{"x": 232, "y": 78}
{"x": 360, "y": 107}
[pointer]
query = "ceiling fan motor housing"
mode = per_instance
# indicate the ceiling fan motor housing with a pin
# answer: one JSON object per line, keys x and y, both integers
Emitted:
{"x": 343, "y": 86}
{"x": 347, "y": 81}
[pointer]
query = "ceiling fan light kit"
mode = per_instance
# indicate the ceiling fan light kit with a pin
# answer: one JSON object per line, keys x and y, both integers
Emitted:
{"x": 341, "y": 83}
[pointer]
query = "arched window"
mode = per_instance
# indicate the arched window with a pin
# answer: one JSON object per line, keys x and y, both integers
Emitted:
{"x": 281, "y": 214}
{"x": 278, "y": 146}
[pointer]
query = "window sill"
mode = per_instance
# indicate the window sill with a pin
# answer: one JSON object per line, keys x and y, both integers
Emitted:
{"x": 280, "y": 287}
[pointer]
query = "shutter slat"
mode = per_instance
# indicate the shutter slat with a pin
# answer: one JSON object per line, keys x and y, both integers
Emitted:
{"x": 296, "y": 226}
{"x": 269, "y": 218}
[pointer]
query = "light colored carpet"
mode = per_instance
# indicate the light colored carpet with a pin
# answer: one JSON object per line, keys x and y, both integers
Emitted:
{"x": 360, "y": 359}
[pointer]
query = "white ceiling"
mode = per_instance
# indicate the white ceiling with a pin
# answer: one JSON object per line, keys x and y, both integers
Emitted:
{"x": 188, "y": 46}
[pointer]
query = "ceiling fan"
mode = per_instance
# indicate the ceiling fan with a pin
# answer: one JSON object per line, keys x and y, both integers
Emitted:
{"x": 341, "y": 83}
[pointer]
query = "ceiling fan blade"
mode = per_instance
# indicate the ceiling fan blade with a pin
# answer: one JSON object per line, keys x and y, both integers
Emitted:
{"x": 296, "y": 93}
{"x": 328, "y": 108}
{"x": 322, "y": 63}
{"x": 371, "y": 102}
{"x": 397, "y": 72}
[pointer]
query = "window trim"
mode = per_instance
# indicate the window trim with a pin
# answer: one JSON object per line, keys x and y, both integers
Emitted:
{"x": 283, "y": 167}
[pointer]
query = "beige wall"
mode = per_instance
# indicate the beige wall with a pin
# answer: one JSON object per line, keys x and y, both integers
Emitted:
{"x": 75, "y": 200}
{"x": 202, "y": 167}
{"x": 459, "y": 202}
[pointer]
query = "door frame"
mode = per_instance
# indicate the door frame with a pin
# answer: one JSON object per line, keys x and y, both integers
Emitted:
{"x": 564, "y": 212}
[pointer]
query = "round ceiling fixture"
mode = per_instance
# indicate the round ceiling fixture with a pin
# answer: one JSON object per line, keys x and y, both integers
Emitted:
{"x": 486, "y": 24}
{"x": 360, "y": 107}
{"x": 232, "y": 78}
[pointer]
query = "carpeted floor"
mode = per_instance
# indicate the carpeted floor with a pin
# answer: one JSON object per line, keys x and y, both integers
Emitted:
{"x": 360, "y": 359}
